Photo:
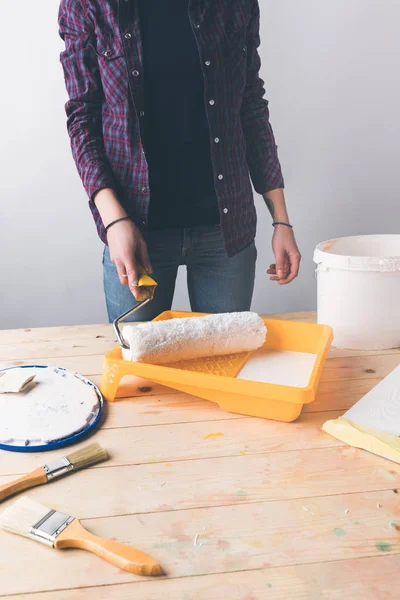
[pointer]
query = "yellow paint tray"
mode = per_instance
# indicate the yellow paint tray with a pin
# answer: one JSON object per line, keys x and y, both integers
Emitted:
{"x": 214, "y": 378}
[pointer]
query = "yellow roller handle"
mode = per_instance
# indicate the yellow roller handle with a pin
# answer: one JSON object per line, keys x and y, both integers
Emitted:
{"x": 146, "y": 285}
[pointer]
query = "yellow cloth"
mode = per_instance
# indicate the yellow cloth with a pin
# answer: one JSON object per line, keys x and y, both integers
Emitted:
{"x": 377, "y": 442}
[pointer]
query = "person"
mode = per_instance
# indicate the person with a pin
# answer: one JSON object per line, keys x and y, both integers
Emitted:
{"x": 168, "y": 126}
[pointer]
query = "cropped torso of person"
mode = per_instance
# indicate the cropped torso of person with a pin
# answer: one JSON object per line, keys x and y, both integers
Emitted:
{"x": 104, "y": 71}
{"x": 168, "y": 122}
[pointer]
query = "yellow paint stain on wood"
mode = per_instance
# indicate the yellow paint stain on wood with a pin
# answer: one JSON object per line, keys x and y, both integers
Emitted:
{"x": 212, "y": 436}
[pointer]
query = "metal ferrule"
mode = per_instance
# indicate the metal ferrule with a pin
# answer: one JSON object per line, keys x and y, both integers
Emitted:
{"x": 49, "y": 527}
{"x": 56, "y": 468}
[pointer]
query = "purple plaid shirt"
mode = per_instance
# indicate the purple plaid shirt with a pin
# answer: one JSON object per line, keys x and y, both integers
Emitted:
{"x": 103, "y": 67}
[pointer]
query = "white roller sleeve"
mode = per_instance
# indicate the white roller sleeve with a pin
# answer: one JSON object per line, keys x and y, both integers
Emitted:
{"x": 160, "y": 342}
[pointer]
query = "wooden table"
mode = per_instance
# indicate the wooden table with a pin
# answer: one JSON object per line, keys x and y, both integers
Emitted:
{"x": 234, "y": 508}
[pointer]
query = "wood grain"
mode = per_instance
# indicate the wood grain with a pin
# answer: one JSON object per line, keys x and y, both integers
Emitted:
{"x": 232, "y": 507}
{"x": 366, "y": 578}
{"x": 188, "y": 441}
{"x": 358, "y": 367}
{"x": 340, "y": 395}
{"x": 220, "y": 481}
{"x": 216, "y": 540}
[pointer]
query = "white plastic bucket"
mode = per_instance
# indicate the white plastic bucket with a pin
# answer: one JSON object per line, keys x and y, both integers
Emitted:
{"x": 359, "y": 290}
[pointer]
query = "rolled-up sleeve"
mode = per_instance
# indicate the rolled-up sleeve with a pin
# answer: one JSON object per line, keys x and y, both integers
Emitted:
{"x": 262, "y": 154}
{"x": 84, "y": 88}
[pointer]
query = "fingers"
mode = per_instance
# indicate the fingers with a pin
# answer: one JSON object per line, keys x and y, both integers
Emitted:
{"x": 294, "y": 269}
{"x": 123, "y": 277}
{"x": 281, "y": 266}
{"x": 132, "y": 277}
{"x": 144, "y": 256}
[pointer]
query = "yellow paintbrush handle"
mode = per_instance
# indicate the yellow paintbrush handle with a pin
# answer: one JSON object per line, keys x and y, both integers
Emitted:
{"x": 122, "y": 556}
{"x": 37, "y": 477}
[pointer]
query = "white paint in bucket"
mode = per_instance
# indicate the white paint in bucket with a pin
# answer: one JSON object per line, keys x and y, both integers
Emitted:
{"x": 359, "y": 290}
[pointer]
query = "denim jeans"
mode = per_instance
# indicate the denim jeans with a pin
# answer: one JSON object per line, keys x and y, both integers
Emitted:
{"x": 216, "y": 283}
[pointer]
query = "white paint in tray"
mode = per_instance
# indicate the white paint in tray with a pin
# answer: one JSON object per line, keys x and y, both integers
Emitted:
{"x": 279, "y": 367}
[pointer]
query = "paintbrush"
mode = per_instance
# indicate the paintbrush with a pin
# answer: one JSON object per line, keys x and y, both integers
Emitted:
{"x": 58, "y": 530}
{"x": 80, "y": 459}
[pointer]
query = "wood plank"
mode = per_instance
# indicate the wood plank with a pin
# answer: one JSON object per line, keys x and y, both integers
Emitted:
{"x": 97, "y": 339}
{"x": 366, "y": 578}
{"x": 331, "y": 396}
{"x": 303, "y": 317}
{"x": 175, "y": 408}
{"x": 343, "y": 353}
{"x": 59, "y": 349}
{"x": 340, "y": 395}
{"x": 366, "y": 367}
{"x": 214, "y": 540}
{"x": 56, "y": 350}
{"x": 148, "y": 488}
{"x": 168, "y": 443}
{"x": 87, "y": 365}
{"x": 55, "y": 334}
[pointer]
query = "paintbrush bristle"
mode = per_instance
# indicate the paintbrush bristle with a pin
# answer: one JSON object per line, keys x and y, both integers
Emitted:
{"x": 22, "y": 515}
{"x": 87, "y": 456}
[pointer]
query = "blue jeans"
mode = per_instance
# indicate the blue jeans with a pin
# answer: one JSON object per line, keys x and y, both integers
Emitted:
{"x": 216, "y": 283}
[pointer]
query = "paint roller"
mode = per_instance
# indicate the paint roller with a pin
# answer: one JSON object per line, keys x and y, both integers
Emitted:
{"x": 173, "y": 340}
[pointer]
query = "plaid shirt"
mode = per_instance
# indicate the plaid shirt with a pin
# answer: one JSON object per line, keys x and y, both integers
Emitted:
{"x": 103, "y": 67}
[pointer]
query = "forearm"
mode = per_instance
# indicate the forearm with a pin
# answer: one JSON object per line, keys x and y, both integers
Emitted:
{"x": 84, "y": 107}
{"x": 108, "y": 205}
{"x": 262, "y": 154}
{"x": 276, "y": 204}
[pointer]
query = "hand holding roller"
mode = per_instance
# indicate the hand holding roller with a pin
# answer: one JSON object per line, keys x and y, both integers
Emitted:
{"x": 147, "y": 287}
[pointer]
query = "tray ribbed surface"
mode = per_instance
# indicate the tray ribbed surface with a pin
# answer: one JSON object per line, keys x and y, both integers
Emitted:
{"x": 224, "y": 366}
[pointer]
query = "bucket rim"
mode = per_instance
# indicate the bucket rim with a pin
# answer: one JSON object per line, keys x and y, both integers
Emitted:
{"x": 324, "y": 258}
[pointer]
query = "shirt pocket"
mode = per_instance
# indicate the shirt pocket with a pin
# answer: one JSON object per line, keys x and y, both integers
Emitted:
{"x": 113, "y": 69}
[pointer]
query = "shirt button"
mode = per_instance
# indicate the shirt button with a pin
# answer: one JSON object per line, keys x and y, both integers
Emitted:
{"x": 106, "y": 53}
{"x": 144, "y": 189}
{"x": 225, "y": 211}
{"x": 216, "y": 140}
{"x": 135, "y": 73}
{"x": 212, "y": 102}
{"x": 197, "y": 25}
{"x": 128, "y": 36}
{"x": 207, "y": 63}
{"x": 220, "y": 177}
{"x": 142, "y": 113}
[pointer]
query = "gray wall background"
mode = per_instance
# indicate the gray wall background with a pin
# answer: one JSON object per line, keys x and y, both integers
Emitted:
{"x": 331, "y": 70}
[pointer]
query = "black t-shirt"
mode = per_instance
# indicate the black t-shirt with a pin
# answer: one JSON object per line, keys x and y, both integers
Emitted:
{"x": 176, "y": 130}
